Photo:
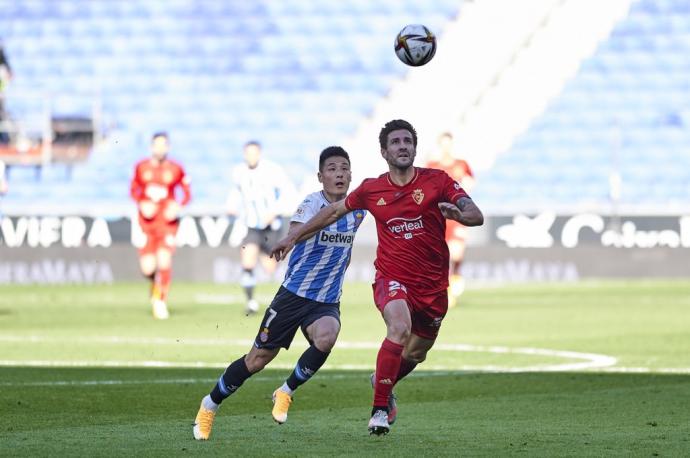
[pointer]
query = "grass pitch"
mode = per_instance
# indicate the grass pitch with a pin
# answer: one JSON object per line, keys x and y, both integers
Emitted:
{"x": 594, "y": 369}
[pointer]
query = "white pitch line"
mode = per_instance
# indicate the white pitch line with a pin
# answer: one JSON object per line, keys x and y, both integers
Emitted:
{"x": 586, "y": 360}
{"x": 323, "y": 375}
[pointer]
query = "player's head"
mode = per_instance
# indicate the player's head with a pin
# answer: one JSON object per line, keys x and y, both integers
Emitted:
{"x": 445, "y": 142}
{"x": 398, "y": 141}
{"x": 252, "y": 153}
{"x": 160, "y": 145}
{"x": 334, "y": 171}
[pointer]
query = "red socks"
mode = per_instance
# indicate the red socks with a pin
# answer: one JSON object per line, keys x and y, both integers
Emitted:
{"x": 163, "y": 283}
{"x": 387, "y": 368}
{"x": 406, "y": 366}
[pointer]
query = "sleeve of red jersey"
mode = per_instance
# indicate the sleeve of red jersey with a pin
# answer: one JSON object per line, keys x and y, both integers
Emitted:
{"x": 452, "y": 190}
{"x": 355, "y": 200}
{"x": 185, "y": 184}
{"x": 136, "y": 187}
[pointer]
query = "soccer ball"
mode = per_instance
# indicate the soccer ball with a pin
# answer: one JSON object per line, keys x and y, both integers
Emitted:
{"x": 415, "y": 45}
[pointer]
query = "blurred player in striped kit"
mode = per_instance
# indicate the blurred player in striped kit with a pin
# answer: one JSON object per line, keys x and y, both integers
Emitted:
{"x": 309, "y": 298}
{"x": 261, "y": 195}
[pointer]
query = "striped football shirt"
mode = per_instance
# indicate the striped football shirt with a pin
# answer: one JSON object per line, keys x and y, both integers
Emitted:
{"x": 316, "y": 268}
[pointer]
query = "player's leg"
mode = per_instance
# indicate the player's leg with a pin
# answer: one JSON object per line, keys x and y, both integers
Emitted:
{"x": 268, "y": 263}
{"x": 414, "y": 353}
{"x": 228, "y": 383}
{"x": 396, "y": 315}
{"x": 321, "y": 334}
{"x": 249, "y": 254}
{"x": 147, "y": 265}
{"x": 162, "y": 283}
{"x": 456, "y": 248}
{"x": 147, "y": 258}
{"x": 277, "y": 330}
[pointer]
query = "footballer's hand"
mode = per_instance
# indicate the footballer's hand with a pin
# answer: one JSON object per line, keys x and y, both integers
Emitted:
{"x": 147, "y": 209}
{"x": 171, "y": 212}
{"x": 450, "y": 211}
{"x": 282, "y": 248}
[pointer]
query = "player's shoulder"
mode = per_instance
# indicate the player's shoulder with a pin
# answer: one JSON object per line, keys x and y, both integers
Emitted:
{"x": 173, "y": 163}
{"x": 429, "y": 172}
{"x": 381, "y": 179}
{"x": 141, "y": 163}
{"x": 314, "y": 198}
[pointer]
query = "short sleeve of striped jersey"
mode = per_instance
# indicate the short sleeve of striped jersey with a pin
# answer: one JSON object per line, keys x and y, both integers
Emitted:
{"x": 309, "y": 207}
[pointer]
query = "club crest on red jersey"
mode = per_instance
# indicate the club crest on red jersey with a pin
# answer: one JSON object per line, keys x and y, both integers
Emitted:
{"x": 418, "y": 196}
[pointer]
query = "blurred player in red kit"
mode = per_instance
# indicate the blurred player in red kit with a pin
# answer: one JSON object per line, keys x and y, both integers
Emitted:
{"x": 153, "y": 188}
{"x": 456, "y": 233}
{"x": 410, "y": 206}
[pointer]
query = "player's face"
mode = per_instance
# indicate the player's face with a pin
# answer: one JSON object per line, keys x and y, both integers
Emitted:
{"x": 336, "y": 176}
{"x": 160, "y": 146}
{"x": 252, "y": 154}
{"x": 445, "y": 143}
{"x": 400, "y": 150}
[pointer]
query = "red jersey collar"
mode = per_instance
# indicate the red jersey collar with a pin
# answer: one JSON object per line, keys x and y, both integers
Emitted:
{"x": 414, "y": 178}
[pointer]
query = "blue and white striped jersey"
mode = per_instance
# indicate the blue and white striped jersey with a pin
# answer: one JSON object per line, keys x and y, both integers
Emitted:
{"x": 316, "y": 268}
{"x": 261, "y": 193}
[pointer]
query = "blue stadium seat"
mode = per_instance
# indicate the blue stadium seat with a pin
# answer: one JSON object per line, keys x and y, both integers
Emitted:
{"x": 629, "y": 99}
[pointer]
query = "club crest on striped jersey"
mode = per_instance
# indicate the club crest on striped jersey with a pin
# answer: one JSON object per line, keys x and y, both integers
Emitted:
{"x": 418, "y": 196}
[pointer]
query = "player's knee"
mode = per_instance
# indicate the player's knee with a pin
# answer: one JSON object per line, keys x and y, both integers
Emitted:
{"x": 325, "y": 341}
{"x": 256, "y": 362}
{"x": 399, "y": 332}
{"x": 416, "y": 357}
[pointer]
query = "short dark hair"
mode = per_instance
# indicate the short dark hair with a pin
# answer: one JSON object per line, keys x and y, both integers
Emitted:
{"x": 160, "y": 134}
{"x": 252, "y": 143}
{"x": 396, "y": 124}
{"x": 330, "y": 152}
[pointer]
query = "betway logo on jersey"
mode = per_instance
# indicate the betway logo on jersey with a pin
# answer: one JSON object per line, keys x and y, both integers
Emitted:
{"x": 405, "y": 227}
{"x": 339, "y": 239}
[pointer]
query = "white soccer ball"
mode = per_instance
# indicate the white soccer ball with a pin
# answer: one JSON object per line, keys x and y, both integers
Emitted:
{"x": 415, "y": 45}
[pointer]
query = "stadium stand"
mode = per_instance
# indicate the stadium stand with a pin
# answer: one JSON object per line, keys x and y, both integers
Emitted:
{"x": 295, "y": 75}
{"x": 299, "y": 75}
{"x": 625, "y": 112}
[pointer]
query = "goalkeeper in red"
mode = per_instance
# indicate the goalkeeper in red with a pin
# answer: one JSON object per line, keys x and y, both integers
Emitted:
{"x": 410, "y": 205}
{"x": 153, "y": 187}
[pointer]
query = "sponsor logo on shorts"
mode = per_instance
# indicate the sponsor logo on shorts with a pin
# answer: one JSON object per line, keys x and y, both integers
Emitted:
{"x": 337, "y": 239}
{"x": 436, "y": 322}
{"x": 381, "y": 202}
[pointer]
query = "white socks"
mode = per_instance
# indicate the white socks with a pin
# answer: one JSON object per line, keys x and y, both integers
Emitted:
{"x": 287, "y": 389}
{"x": 208, "y": 403}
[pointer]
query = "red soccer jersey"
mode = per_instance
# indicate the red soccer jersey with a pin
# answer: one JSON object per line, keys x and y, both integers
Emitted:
{"x": 458, "y": 169}
{"x": 156, "y": 181}
{"x": 410, "y": 226}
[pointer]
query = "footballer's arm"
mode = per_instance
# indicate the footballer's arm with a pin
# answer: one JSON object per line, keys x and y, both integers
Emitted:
{"x": 294, "y": 227}
{"x": 464, "y": 212}
{"x": 325, "y": 217}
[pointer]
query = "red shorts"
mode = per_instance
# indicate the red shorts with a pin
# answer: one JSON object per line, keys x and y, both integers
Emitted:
{"x": 426, "y": 310}
{"x": 159, "y": 236}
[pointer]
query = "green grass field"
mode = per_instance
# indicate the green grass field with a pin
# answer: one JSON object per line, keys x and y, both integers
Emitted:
{"x": 593, "y": 369}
